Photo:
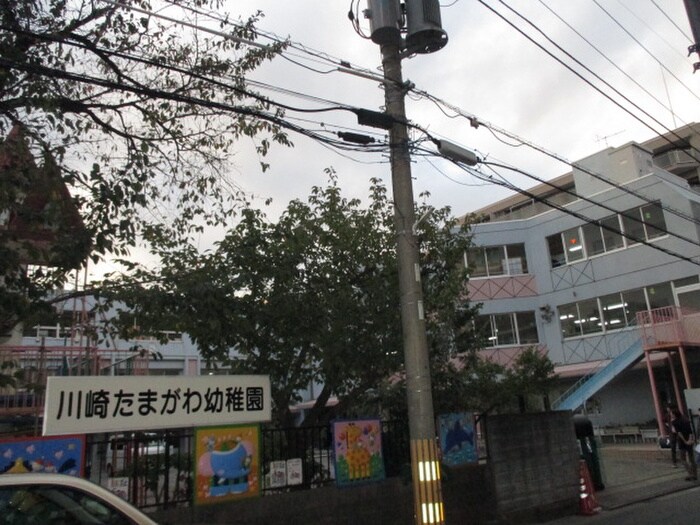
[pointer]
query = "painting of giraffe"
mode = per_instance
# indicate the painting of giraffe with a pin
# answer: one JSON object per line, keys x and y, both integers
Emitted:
{"x": 358, "y": 451}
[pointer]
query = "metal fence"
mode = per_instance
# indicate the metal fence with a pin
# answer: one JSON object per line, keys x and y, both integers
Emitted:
{"x": 155, "y": 470}
{"x": 151, "y": 470}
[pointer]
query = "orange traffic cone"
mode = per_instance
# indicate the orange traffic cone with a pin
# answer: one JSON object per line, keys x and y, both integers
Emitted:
{"x": 588, "y": 505}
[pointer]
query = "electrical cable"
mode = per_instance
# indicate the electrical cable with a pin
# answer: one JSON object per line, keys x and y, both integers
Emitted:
{"x": 235, "y": 88}
{"x": 587, "y": 199}
{"x": 175, "y": 97}
{"x": 299, "y": 109}
{"x": 610, "y": 98}
{"x": 481, "y": 176}
{"x": 609, "y": 60}
{"x": 647, "y": 50}
{"x": 476, "y": 122}
{"x": 320, "y": 55}
{"x": 656, "y": 33}
{"x": 672, "y": 22}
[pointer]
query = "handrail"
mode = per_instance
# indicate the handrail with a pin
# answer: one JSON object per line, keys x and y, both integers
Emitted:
{"x": 614, "y": 367}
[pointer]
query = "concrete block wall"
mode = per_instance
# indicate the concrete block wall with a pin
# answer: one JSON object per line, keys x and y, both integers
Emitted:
{"x": 466, "y": 492}
{"x": 534, "y": 461}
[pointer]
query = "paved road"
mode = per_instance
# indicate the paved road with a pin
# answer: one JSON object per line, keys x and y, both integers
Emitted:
{"x": 677, "y": 508}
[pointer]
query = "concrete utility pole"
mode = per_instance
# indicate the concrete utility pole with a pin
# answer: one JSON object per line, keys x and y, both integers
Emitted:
{"x": 421, "y": 419}
{"x": 424, "y": 35}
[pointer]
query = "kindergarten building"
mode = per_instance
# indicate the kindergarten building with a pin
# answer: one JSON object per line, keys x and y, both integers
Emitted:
{"x": 606, "y": 283}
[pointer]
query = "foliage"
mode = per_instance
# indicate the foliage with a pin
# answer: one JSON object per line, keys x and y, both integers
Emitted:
{"x": 311, "y": 298}
{"x": 474, "y": 383}
{"x": 137, "y": 115}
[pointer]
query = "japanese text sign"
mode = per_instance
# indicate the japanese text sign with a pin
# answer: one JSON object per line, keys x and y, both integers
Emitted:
{"x": 107, "y": 404}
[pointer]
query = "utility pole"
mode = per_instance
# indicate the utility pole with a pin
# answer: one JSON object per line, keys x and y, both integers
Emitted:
{"x": 424, "y": 35}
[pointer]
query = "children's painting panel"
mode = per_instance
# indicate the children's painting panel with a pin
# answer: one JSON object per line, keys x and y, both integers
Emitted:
{"x": 358, "y": 451}
{"x": 227, "y": 463}
{"x": 64, "y": 455}
{"x": 457, "y": 438}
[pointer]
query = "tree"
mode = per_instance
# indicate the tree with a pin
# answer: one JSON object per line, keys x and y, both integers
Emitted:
{"x": 139, "y": 116}
{"x": 312, "y": 297}
{"x": 471, "y": 381}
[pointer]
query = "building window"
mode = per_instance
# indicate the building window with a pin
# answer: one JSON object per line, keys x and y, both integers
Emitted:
{"x": 634, "y": 228}
{"x": 611, "y": 238}
{"x": 580, "y": 318}
{"x": 643, "y": 223}
{"x": 565, "y": 248}
{"x": 568, "y": 320}
{"x": 507, "y": 329}
{"x": 635, "y": 301}
{"x": 517, "y": 262}
{"x": 613, "y": 311}
{"x": 527, "y": 328}
{"x": 593, "y": 235}
{"x": 660, "y": 295}
{"x": 556, "y": 250}
{"x": 494, "y": 261}
{"x": 589, "y": 317}
{"x": 476, "y": 262}
{"x": 574, "y": 246}
{"x": 653, "y": 218}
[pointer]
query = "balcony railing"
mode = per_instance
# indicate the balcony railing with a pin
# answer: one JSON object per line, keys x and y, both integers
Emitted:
{"x": 669, "y": 326}
{"x": 25, "y": 369}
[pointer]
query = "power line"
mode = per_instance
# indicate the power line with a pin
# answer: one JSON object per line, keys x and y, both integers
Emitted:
{"x": 476, "y": 123}
{"x": 539, "y": 30}
{"x": 321, "y": 56}
{"x": 608, "y": 59}
{"x": 587, "y": 199}
{"x": 645, "y": 49}
{"x": 175, "y": 97}
{"x": 672, "y": 22}
{"x": 152, "y": 62}
{"x": 596, "y": 203}
{"x": 481, "y": 176}
{"x": 648, "y": 26}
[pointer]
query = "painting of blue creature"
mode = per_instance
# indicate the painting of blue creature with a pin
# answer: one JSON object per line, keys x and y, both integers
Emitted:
{"x": 227, "y": 464}
{"x": 458, "y": 439}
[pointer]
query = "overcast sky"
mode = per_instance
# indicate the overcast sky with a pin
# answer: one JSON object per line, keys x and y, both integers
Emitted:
{"x": 490, "y": 70}
{"x": 487, "y": 69}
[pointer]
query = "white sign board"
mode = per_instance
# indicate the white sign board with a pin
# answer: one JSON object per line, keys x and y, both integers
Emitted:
{"x": 294, "y": 471}
{"x": 692, "y": 400}
{"x": 84, "y": 405}
{"x": 278, "y": 474}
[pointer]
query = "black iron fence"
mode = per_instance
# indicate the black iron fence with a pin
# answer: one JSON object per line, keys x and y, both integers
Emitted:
{"x": 151, "y": 470}
{"x": 155, "y": 470}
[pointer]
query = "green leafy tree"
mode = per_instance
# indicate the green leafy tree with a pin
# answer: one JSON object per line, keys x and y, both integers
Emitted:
{"x": 138, "y": 116}
{"x": 312, "y": 297}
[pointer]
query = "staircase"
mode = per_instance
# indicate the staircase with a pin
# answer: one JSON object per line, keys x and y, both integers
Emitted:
{"x": 588, "y": 385}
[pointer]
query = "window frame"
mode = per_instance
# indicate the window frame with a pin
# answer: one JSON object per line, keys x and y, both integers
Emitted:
{"x": 480, "y": 253}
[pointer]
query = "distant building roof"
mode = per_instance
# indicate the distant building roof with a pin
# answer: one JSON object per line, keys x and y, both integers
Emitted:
{"x": 521, "y": 207}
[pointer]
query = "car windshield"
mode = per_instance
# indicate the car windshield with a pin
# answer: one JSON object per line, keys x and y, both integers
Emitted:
{"x": 51, "y": 505}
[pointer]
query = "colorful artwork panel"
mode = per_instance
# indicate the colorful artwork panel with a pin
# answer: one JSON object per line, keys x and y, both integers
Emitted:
{"x": 358, "y": 451}
{"x": 64, "y": 455}
{"x": 457, "y": 439}
{"x": 227, "y": 463}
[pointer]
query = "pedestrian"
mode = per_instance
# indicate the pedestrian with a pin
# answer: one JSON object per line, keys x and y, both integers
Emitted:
{"x": 686, "y": 441}
{"x": 672, "y": 437}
